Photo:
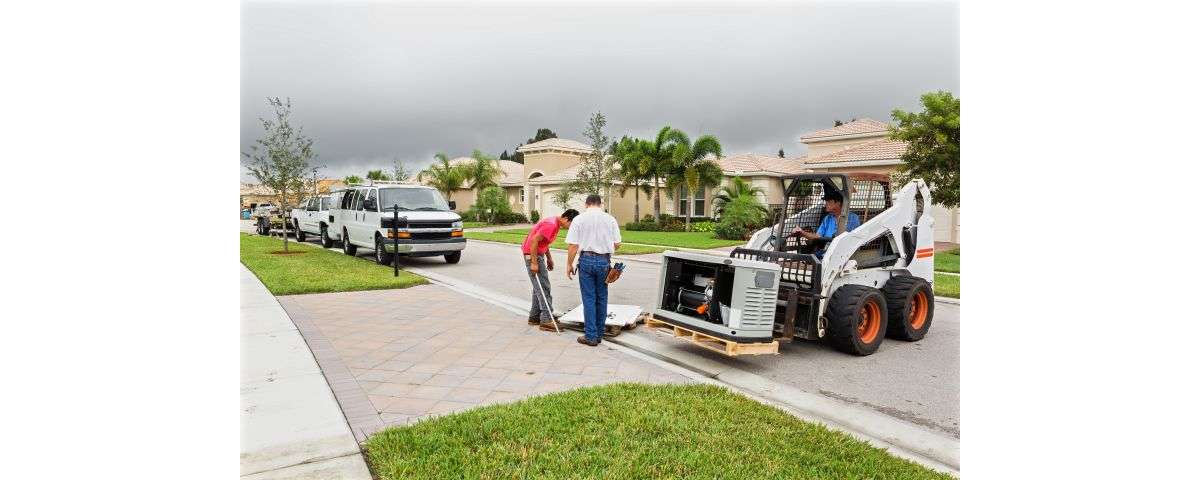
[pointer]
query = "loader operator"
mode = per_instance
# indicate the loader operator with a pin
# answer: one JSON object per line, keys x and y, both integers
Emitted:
{"x": 828, "y": 227}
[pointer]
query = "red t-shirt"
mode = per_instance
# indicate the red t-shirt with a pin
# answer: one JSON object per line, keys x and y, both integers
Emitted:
{"x": 548, "y": 227}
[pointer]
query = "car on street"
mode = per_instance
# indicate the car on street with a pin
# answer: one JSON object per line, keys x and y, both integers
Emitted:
{"x": 361, "y": 216}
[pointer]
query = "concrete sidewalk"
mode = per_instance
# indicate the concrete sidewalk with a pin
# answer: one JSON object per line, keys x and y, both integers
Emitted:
{"x": 291, "y": 425}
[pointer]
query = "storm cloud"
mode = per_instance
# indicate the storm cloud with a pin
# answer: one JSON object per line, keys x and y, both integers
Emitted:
{"x": 376, "y": 81}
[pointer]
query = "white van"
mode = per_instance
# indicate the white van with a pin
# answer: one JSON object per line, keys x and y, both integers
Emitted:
{"x": 361, "y": 216}
{"x": 311, "y": 217}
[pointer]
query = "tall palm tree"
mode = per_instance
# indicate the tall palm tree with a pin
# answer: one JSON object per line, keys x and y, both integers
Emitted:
{"x": 738, "y": 188}
{"x": 660, "y": 161}
{"x": 481, "y": 172}
{"x": 443, "y": 176}
{"x": 632, "y": 155}
{"x": 694, "y": 166}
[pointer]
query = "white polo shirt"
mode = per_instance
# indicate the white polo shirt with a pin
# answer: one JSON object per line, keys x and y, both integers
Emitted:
{"x": 594, "y": 231}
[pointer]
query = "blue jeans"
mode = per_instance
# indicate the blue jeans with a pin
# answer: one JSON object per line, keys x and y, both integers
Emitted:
{"x": 593, "y": 270}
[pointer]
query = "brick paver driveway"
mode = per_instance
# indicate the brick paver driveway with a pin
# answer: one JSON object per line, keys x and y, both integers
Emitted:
{"x": 395, "y": 356}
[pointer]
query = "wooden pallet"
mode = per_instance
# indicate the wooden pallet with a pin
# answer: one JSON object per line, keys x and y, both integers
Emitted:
{"x": 719, "y": 345}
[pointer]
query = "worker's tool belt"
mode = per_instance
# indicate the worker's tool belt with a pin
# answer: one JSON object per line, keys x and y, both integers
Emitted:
{"x": 613, "y": 275}
{"x": 586, "y": 253}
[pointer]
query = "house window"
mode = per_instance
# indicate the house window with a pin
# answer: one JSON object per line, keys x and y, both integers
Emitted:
{"x": 696, "y": 202}
{"x": 522, "y": 194}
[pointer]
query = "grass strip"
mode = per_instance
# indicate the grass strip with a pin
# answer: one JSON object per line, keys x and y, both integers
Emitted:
{"x": 316, "y": 270}
{"x": 697, "y": 240}
{"x": 519, "y": 238}
{"x": 626, "y": 431}
{"x": 945, "y": 285}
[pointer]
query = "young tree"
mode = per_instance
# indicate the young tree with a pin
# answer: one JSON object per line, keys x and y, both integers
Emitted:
{"x": 280, "y": 158}
{"x": 596, "y": 168}
{"x": 932, "y": 137}
{"x": 443, "y": 176}
{"x": 693, "y": 168}
{"x": 399, "y": 173}
{"x": 562, "y": 197}
{"x": 313, "y": 182}
{"x": 352, "y": 179}
{"x": 661, "y": 161}
{"x": 781, "y": 153}
{"x": 491, "y": 204}
{"x": 738, "y": 188}
{"x": 504, "y": 155}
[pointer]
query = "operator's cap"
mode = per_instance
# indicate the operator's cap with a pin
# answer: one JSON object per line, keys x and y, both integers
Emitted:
{"x": 832, "y": 195}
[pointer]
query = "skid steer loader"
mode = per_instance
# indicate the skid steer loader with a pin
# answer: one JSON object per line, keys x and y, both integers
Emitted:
{"x": 850, "y": 289}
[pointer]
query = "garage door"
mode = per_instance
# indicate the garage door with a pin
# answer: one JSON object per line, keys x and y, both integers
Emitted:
{"x": 549, "y": 208}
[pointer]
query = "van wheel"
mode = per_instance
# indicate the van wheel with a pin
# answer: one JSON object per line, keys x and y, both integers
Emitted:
{"x": 858, "y": 319}
{"x": 300, "y": 235}
{"x": 325, "y": 240}
{"x": 382, "y": 257}
{"x": 347, "y": 247}
{"x": 453, "y": 257}
{"x": 910, "y": 307}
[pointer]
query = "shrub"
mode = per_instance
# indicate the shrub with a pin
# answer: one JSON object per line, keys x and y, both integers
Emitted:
{"x": 511, "y": 217}
{"x": 534, "y": 216}
{"x": 740, "y": 216}
{"x": 729, "y": 231}
{"x": 706, "y": 226}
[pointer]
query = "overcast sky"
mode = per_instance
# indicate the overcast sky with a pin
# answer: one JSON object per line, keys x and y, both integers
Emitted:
{"x": 373, "y": 81}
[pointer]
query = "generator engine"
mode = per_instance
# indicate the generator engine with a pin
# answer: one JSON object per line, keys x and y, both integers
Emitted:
{"x": 730, "y": 298}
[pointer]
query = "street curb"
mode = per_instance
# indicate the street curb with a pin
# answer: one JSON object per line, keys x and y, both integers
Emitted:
{"x": 900, "y": 438}
{"x": 950, "y": 300}
{"x": 618, "y": 257}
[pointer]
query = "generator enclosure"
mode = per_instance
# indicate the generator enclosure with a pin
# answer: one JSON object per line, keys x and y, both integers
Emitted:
{"x": 729, "y": 298}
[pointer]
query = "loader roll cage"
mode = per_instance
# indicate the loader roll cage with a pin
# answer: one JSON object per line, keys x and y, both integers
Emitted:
{"x": 864, "y": 194}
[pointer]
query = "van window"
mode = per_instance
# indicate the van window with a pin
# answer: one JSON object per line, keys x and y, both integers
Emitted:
{"x": 426, "y": 199}
{"x": 324, "y": 204}
{"x": 371, "y": 196}
{"x": 358, "y": 198}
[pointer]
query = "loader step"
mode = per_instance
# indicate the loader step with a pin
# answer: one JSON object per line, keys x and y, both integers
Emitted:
{"x": 719, "y": 345}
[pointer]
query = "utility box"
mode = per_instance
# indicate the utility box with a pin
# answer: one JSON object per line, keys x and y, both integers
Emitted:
{"x": 732, "y": 299}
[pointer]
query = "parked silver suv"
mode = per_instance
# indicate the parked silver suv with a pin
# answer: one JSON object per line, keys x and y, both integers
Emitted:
{"x": 361, "y": 216}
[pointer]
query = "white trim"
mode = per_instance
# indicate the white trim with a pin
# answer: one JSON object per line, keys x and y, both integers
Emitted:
{"x": 853, "y": 163}
{"x": 848, "y": 136}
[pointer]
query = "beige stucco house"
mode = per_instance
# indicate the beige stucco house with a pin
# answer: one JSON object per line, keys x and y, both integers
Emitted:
{"x": 860, "y": 146}
{"x": 863, "y": 146}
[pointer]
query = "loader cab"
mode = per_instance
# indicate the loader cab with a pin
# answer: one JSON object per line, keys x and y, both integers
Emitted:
{"x": 863, "y": 194}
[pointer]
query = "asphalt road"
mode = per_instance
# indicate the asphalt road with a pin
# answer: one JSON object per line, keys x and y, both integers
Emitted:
{"x": 916, "y": 382}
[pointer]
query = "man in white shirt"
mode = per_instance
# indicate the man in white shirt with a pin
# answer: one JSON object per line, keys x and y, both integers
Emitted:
{"x": 593, "y": 237}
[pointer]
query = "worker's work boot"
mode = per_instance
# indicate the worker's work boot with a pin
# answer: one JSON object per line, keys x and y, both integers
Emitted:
{"x": 534, "y": 320}
{"x": 583, "y": 339}
{"x": 547, "y": 326}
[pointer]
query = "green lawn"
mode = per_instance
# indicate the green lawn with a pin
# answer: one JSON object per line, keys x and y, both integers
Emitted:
{"x": 946, "y": 261}
{"x": 629, "y": 431}
{"x": 698, "y": 240}
{"x": 316, "y": 270}
{"x": 511, "y": 236}
{"x": 474, "y": 224}
{"x": 945, "y": 285}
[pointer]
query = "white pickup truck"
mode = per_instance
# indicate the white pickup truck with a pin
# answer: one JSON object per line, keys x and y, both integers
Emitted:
{"x": 311, "y": 217}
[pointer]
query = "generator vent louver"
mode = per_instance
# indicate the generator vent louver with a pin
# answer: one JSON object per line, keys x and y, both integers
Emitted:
{"x": 758, "y": 307}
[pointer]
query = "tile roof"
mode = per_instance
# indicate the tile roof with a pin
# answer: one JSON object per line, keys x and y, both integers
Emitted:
{"x": 753, "y": 163}
{"x": 883, "y": 149}
{"x": 256, "y": 189}
{"x": 857, "y": 127}
{"x": 559, "y": 143}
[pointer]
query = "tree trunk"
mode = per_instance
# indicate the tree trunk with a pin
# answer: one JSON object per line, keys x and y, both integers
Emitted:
{"x": 687, "y": 224}
{"x": 657, "y": 207}
{"x": 283, "y": 208}
{"x": 637, "y": 212}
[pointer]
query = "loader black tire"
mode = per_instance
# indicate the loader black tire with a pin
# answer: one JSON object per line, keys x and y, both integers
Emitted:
{"x": 910, "y": 307}
{"x": 858, "y": 318}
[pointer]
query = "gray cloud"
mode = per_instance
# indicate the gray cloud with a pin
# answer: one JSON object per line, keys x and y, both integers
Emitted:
{"x": 374, "y": 81}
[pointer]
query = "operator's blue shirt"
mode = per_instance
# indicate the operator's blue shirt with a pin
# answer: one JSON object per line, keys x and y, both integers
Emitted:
{"x": 828, "y": 228}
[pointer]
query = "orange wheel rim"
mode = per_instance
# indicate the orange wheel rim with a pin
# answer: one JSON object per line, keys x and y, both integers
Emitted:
{"x": 868, "y": 322}
{"x": 918, "y": 310}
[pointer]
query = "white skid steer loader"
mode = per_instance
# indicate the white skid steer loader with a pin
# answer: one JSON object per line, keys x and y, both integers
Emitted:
{"x": 850, "y": 289}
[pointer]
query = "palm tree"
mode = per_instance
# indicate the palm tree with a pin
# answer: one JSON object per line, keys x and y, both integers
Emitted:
{"x": 659, "y": 162}
{"x": 633, "y": 156}
{"x": 738, "y": 188}
{"x": 481, "y": 172}
{"x": 693, "y": 167}
{"x": 443, "y": 176}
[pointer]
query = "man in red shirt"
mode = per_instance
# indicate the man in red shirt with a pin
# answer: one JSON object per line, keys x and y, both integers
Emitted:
{"x": 538, "y": 260}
